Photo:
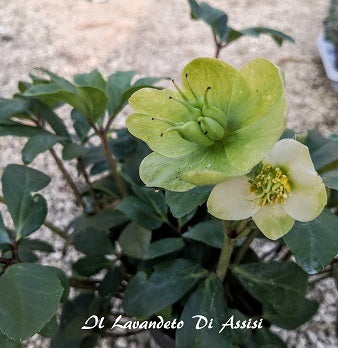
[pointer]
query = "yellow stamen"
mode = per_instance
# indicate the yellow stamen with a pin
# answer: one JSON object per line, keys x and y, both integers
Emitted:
{"x": 271, "y": 186}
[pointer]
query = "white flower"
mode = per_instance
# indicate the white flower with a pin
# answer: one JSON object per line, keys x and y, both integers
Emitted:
{"x": 286, "y": 189}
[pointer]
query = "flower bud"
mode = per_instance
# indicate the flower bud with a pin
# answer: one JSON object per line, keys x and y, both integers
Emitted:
{"x": 191, "y": 131}
{"x": 211, "y": 128}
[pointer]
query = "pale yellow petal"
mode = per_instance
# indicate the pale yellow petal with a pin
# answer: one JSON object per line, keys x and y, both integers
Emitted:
{"x": 273, "y": 221}
{"x": 308, "y": 197}
{"x": 232, "y": 200}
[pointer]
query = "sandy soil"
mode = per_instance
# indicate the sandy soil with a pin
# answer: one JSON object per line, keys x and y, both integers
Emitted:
{"x": 157, "y": 38}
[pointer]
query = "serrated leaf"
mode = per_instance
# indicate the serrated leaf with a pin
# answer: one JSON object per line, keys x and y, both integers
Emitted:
{"x": 207, "y": 301}
{"x": 27, "y": 211}
{"x": 315, "y": 243}
{"x": 168, "y": 283}
{"x": 208, "y": 232}
{"x": 182, "y": 203}
{"x": 30, "y": 296}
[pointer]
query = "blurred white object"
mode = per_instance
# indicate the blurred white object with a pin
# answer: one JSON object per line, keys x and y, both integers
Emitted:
{"x": 328, "y": 56}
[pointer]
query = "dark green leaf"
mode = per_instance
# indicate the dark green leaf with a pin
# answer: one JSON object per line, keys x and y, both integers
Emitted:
{"x": 20, "y": 130}
{"x": 51, "y": 118}
{"x": 93, "y": 242}
{"x": 233, "y": 35}
{"x": 28, "y": 212}
{"x": 102, "y": 221}
{"x": 30, "y": 296}
{"x": 12, "y": 107}
{"x": 330, "y": 179}
{"x": 264, "y": 338}
{"x": 94, "y": 102}
{"x": 276, "y": 35}
{"x": 50, "y": 329}
{"x": 153, "y": 198}
{"x": 208, "y": 232}
{"x": 168, "y": 283}
{"x": 147, "y": 81}
{"x": 64, "y": 282}
{"x": 72, "y": 150}
{"x": 135, "y": 240}
{"x": 117, "y": 83}
{"x": 207, "y": 301}
{"x": 111, "y": 282}
{"x": 164, "y": 246}
{"x": 38, "y": 144}
{"x": 325, "y": 155}
{"x": 138, "y": 211}
{"x": 90, "y": 265}
{"x": 93, "y": 79}
{"x": 214, "y": 17}
{"x": 279, "y": 285}
{"x": 59, "y": 81}
{"x": 81, "y": 125}
{"x": 182, "y": 203}
{"x": 315, "y": 243}
{"x": 296, "y": 319}
{"x": 27, "y": 247}
{"x": 5, "y": 342}
{"x": 4, "y": 237}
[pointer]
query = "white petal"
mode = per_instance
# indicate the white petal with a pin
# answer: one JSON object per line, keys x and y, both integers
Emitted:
{"x": 273, "y": 221}
{"x": 308, "y": 197}
{"x": 232, "y": 200}
{"x": 291, "y": 155}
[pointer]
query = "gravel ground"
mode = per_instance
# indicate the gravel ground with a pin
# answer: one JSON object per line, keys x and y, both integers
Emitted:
{"x": 157, "y": 38}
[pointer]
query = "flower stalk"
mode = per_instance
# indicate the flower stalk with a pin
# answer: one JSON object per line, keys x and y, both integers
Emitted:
{"x": 227, "y": 248}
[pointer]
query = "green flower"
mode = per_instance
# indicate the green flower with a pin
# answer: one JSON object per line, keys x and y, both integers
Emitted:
{"x": 220, "y": 124}
{"x": 286, "y": 188}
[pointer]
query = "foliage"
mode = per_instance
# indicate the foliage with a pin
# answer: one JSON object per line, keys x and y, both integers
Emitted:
{"x": 154, "y": 251}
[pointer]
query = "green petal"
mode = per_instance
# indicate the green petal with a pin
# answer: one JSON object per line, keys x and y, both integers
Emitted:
{"x": 203, "y": 167}
{"x": 229, "y": 90}
{"x": 266, "y": 91}
{"x": 170, "y": 144}
{"x": 151, "y": 103}
{"x": 232, "y": 200}
{"x": 161, "y": 171}
{"x": 256, "y": 132}
{"x": 247, "y": 146}
{"x": 308, "y": 197}
{"x": 273, "y": 221}
{"x": 156, "y": 103}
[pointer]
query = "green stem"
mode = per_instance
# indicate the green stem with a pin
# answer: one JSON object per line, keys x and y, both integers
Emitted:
{"x": 224, "y": 258}
{"x": 245, "y": 246}
{"x": 68, "y": 178}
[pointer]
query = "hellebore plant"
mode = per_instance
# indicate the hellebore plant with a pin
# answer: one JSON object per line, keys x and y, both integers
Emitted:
{"x": 220, "y": 124}
{"x": 284, "y": 188}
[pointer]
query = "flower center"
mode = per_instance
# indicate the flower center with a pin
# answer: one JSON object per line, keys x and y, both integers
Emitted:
{"x": 207, "y": 123}
{"x": 271, "y": 186}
